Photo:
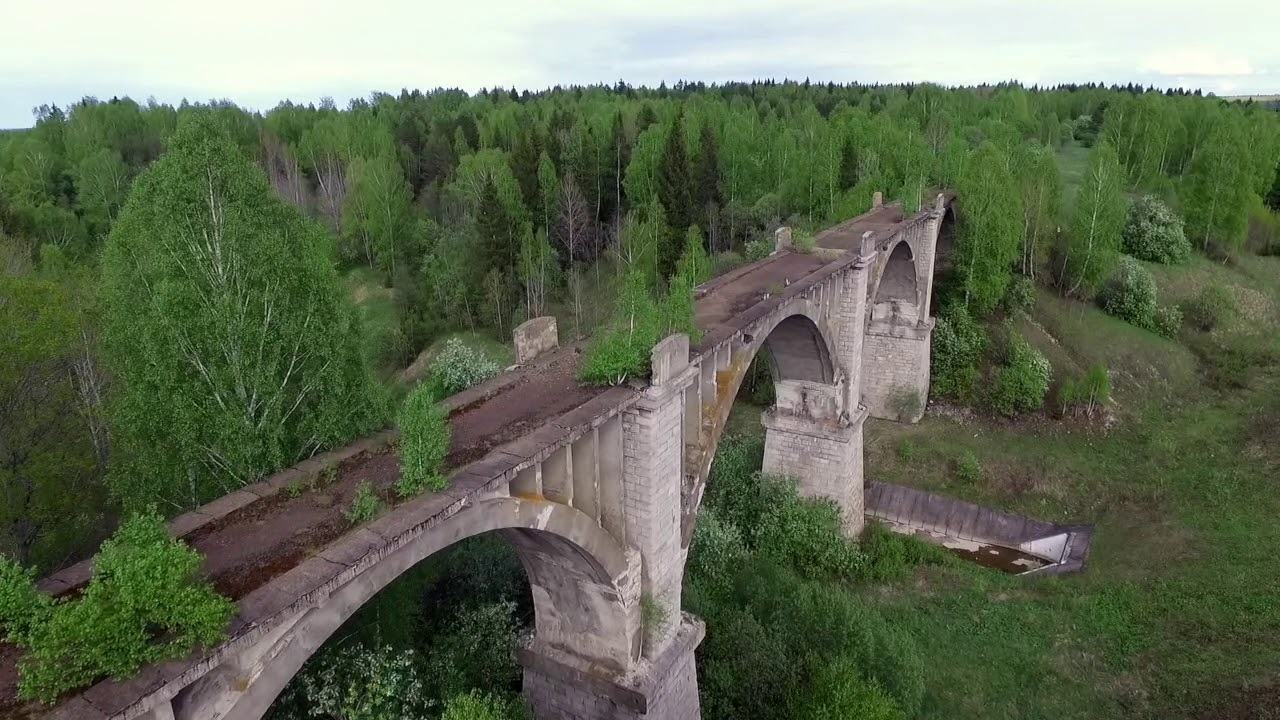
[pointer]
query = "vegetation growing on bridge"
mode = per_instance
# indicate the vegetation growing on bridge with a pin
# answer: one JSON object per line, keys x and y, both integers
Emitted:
{"x": 424, "y": 442}
{"x": 144, "y": 604}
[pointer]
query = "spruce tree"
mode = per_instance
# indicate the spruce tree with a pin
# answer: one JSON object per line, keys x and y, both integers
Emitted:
{"x": 524, "y": 165}
{"x": 707, "y": 176}
{"x": 676, "y": 194}
{"x": 848, "y": 164}
{"x": 499, "y": 246}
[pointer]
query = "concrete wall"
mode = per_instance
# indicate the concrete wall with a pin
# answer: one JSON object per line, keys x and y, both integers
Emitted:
{"x": 826, "y": 460}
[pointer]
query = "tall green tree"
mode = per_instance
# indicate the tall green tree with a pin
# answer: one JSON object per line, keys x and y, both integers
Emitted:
{"x": 231, "y": 339}
{"x": 377, "y": 222}
{"x": 498, "y": 242}
{"x": 1036, "y": 172}
{"x": 990, "y": 231}
{"x": 675, "y": 193}
{"x": 1215, "y": 193}
{"x": 1093, "y": 241}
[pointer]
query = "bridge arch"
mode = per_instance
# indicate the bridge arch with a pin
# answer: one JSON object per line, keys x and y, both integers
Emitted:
{"x": 585, "y": 589}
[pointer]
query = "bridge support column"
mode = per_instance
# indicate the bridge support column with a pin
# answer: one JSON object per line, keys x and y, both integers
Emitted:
{"x": 896, "y": 367}
{"x": 560, "y": 687}
{"x": 806, "y": 437}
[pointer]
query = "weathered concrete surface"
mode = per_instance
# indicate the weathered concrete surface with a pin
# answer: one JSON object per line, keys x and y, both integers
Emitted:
{"x": 535, "y": 337}
{"x": 950, "y": 517}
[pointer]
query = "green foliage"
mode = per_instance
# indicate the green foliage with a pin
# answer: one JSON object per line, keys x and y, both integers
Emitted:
{"x": 804, "y": 242}
{"x": 990, "y": 229}
{"x": 365, "y": 506}
{"x": 458, "y": 367}
{"x": 1093, "y": 240}
{"x": 1153, "y": 232}
{"x": 357, "y": 682}
{"x": 694, "y": 264}
{"x": 967, "y": 468}
{"x": 907, "y": 451}
{"x": 1086, "y": 393}
{"x": 143, "y": 605}
{"x": 1212, "y": 308}
{"x": 655, "y": 615}
{"x": 478, "y": 706}
{"x": 839, "y": 692}
{"x": 1021, "y": 295}
{"x": 1022, "y": 380}
{"x": 218, "y": 293}
{"x": 891, "y": 556}
{"x": 1167, "y": 321}
{"x": 958, "y": 345}
{"x": 1130, "y": 294}
{"x": 759, "y": 249}
{"x": 1215, "y": 193}
{"x": 424, "y": 442}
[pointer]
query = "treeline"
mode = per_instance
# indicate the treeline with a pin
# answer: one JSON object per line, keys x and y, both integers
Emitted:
{"x": 130, "y": 351}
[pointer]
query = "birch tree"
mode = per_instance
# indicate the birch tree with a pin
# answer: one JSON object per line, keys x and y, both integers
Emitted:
{"x": 1093, "y": 240}
{"x": 232, "y": 342}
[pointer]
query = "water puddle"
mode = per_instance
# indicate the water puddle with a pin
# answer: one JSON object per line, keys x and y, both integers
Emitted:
{"x": 996, "y": 557}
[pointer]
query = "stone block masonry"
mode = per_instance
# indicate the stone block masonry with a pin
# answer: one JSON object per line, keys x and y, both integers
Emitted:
{"x": 824, "y": 457}
{"x": 895, "y": 362}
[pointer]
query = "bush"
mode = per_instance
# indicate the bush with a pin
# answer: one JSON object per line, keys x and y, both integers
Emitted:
{"x": 355, "y": 682}
{"x": 478, "y": 706}
{"x": 1130, "y": 294}
{"x": 839, "y": 692}
{"x": 1154, "y": 232}
{"x": 1168, "y": 321}
{"x": 968, "y": 469}
{"x": 958, "y": 344}
{"x": 907, "y": 451}
{"x": 457, "y": 368}
{"x": 1021, "y": 294}
{"x": 1263, "y": 234}
{"x": 723, "y": 262}
{"x": 424, "y": 442}
{"x": 1087, "y": 393}
{"x": 1022, "y": 382}
{"x": 1211, "y": 308}
{"x": 804, "y": 241}
{"x": 891, "y": 555}
{"x": 143, "y": 605}
{"x": 365, "y": 506}
{"x": 759, "y": 249}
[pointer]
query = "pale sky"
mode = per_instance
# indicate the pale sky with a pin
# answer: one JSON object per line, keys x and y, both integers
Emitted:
{"x": 257, "y": 52}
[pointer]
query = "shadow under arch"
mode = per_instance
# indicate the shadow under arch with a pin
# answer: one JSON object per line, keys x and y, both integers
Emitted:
{"x": 585, "y": 589}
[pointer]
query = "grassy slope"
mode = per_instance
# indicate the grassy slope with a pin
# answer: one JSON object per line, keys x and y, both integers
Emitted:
{"x": 1178, "y": 614}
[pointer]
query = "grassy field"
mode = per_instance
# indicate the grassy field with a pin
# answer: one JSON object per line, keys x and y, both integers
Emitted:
{"x": 1178, "y": 613}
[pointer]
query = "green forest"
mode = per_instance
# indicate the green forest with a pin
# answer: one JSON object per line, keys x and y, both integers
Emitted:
{"x": 194, "y": 297}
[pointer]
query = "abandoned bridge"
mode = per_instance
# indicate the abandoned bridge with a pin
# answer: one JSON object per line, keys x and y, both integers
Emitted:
{"x": 598, "y": 489}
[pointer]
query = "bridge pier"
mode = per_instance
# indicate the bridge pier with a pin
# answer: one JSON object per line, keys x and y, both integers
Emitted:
{"x": 558, "y": 686}
{"x": 808, "y": 438}
{"x": 896, "y": 363}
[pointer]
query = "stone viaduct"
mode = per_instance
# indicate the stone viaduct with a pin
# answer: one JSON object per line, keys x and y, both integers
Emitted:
{"x": 597, "y": 489}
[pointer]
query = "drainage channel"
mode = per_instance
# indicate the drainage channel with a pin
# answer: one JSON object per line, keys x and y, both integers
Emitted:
{"x": 1002, "y": 541}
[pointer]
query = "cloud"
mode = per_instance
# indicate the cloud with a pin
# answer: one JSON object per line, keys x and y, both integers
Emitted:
{"x": 1194, "y": 62}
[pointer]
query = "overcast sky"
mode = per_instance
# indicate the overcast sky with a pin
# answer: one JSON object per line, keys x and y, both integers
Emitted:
{"x": 257, "y": 52}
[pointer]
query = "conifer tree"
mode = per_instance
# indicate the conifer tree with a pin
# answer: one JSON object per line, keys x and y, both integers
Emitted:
{"x": 675, "y": 193}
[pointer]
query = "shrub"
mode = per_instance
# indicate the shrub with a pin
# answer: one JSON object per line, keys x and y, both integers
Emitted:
{"x": 459, "y": 367}
{"x": 1021, "y": 294}
{"x": 1130, "y": 294}
{"x": 365, "y": 506}
{"x": 1168, "y": 321}
{"x": 890, "y": 555}
{"x": 1211, "y": 308}
{"x": 356, "y": 682}
{"x": 839, "y": 692}
{"x": 907, "y": 451}
{"x": 1153, "y": 232}
{"x": 1022, "y": 382}
{"x": 143, "y": 605}
{"x": 804, "y": 241}
{"x": 958, "y": 345}
{"x": 424, "y": 442}
{"x": 478, "y": 706}
{"x": 1263, "y": 233}
{"x": 717, "y": 547}
{"x": 723, "y": 262}
{"x": 759, "y": 249}
{"x": 968, "y": 469}
{"x": 1087, "y": 393}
